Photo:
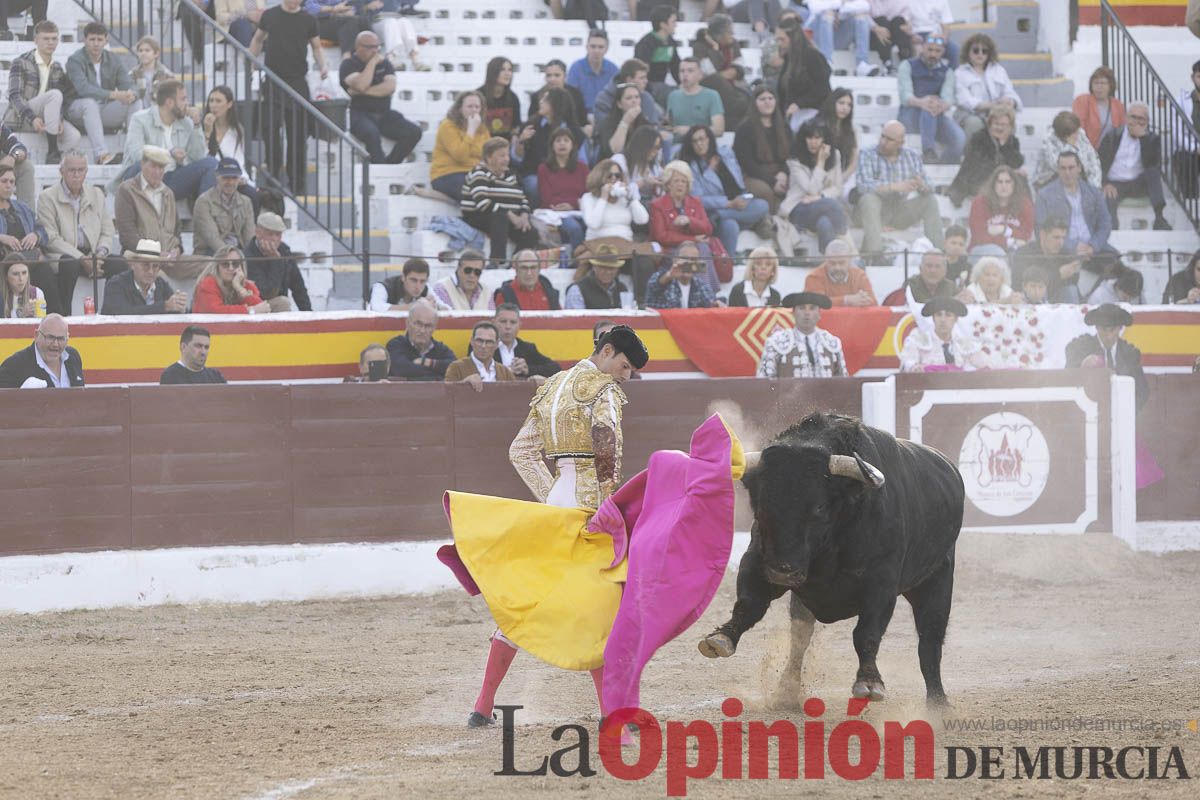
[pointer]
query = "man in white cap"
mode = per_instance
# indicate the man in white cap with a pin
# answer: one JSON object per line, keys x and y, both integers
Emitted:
{"x": 839, "y": 280}
{"x": 270, "y": 264}
{"x": 145, "y": 209}
{"x": 142, "y": 290}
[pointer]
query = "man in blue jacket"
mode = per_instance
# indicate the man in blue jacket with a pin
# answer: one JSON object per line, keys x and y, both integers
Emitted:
{"x": 1082, "y": 205}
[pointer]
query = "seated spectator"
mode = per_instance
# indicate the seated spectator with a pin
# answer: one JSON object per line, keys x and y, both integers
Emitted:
{"x": 717, "y": 181}
{"x": 1184, "y": 286}
{"x": 982, "y": 85}
{"x": 1065, "y": 136}
{"x": 339, "y": 21}
{"x": 928, "y": 350}
{"x": 894, "y": 190}
{"x": 814, "y": 199}
{"x": 762, "y": 146}
{"x": 15, "y": 154}
{"x": 22, "y": 300}
{"x": 223, "y": 216}
{"x": 191, "y": 171}
{"x": 720, "y": 58}
{"x": 836, "y": 24}
{"x": 1125, "y": 286}
{"x": 622, "y": 122}
{"x": 399, "y": 292}
{"x": 659, "y": 50}
{"x": 1098, "y": 108}
{"x": 149, "y": 71}
{"x": 47, "y": 363}
{"x": 890, "y": 27}
{"x": 958, "y": 266}
{"x": 79, "y": 229}
{"x": 927, "y": 97}
{"x": 224, "y": 289}
{"x": 190, "y": 369}
{"x": 928, "y": 19}
{"x": 494, "y": 203}
{"x": 761, "y": 15}
{"x": 640, "y": 161}
{"x": 462, "y": 291}
{"x": 770, "y": 59}
{"x": 995, "y": 147}
{"x": 400, "y": 39}
{"x": 1131, "y": 162}
{"x": 678, "y": 216}
{"x": 599, "y": 287}
{"x": 839, "y": 280}
{"x": 756, "y": 291}
{"x": 224, "y": 135}
{"x": 931, "y": 281}
{"x": 522, "y": 358}
{"x": 611, "y": 207}
{"x": 555, "y": 73}
{"x": 837, "y": 113}
{"x": 676, "y": 286}
{"x": 593, "y": 72}
{"x": 692, "y": 104}
{"x": 561, "y": 181}
{"x": 21, "y": 232}
{"x": 1187, "y": 155}
{"x": 103, "y": 91}
{"x": 1035, "y": 284}
{"x": 803, "y": 77}
{"x": 530, "y": 290}
{"x": 239, "y": 17}
{"x": 1002, "y": 214}
{"x": 1107, "y": 348}
{"x": 480, "y": 366}
{"x": 633, "y": 72}
{"x": 374, "y": 363}
{"x": 272, "y": 266}
{"x": 502, "y": 109}
{"x": 145, "y": 209}
{"x": 40, "y": 105}
{"x": 370, "y": 80}
{"x": 1079, "y": 203}
{"x": 532, "y": 147}
{"x": 141, "y": 289}
{"x": 459, "y": 145}
{"x": 804, "y": 351}
{"x": 415, "y": 354}
{"x": 1049, "y": 253}
{"x": 990, "y": 284}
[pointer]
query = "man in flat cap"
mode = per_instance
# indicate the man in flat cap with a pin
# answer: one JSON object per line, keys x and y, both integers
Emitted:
{"x": 273, "y": 268}
{"x": 943, "y": 346}
{"x": 144, "y": 208}
{"x": 804, "y": 351}
{"x": 1107, "y": 348}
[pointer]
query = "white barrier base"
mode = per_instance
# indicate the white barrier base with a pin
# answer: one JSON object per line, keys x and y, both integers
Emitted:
{"x": 1166, "y": 537}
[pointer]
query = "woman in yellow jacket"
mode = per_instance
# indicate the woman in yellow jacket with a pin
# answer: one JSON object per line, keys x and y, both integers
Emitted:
{"x": 459, "y": 145}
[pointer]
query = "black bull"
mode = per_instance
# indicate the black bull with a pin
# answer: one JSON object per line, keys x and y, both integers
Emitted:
{"x": 847, "y": 517}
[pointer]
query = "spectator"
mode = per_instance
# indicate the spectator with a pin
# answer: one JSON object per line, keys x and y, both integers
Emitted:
{"x": 599, "y": 287}
{"x": 145, "y": 209}
{"x": 36, "y": 9}
{"x": 530, "y": 290}
{"x": 770, "y": 58}
{"x": 532, "y": 146}
{"x": 592, "y": 73}
{"x": 415, "y": 354}
{"x": 659, "y": 50}
{"x": 34, "y": 108}
{"x": 1124, "y": 286}
{"x": 13, "y": 153}
{"x": 459, "y": 145}
{"x": 927, "y": 350}
{"x": 678, "y": 216}
{"x": 285, "y": 30}
{"x": 190, "y": 369}
{"x": 223, "y": 287}
{"x": 224, "y": 135}
{"x": 399, "y": 292}
{"x": 339, "y": 21}
{"x": 839, "y": 280}
{"x": 480, "y": 366}
{"x": 676, "y": 286}
{"x": 239, "y": 17}
{"x": 1002, "y": 214}
{"x": 1187, "y": 157}
{"x": 624, "y": 120}
{"x": 717, "y": 181}
{"x": 756, "y": 291}
{"x": 958, "y": 266}
{"x": 990, "y": 284}
{"x": 1081, "y": 204}
{"x": 894, "y": 190}
{"x": 191, "y": 171}
{"x": 222, "y": 216}
{"x": 1065, "y": 136}
{"x": 987, "y": 150}
{"x": 272, "y": 266}
{"x": 494, "y": 203}
{"x": 103, "y": 91}
{"x": 929, "y": 18}
{"x": 981, "y": 85}
{"x": 20, "y": 232}
{"x": 141, "y": 289}
{"x": 814, "y": 199}
{"x": 1098, "y": 109}
{"x": 931, "y": 281}
{"x": 561, "y": 181}
{"x": 149, "y": 71}
{"x": 1050, "y": 254}
{"x": 838, "y": 23}
{"x": 1035, "y": 285}
{"x": 374, "y": 363}
{"x": 22, "y": 300}
{"x": 926, "y": 99}
{"x": 803, "y": 76}
{"x": 633, "y": 71}
{"x": 47, "y": 362}
{"x": 720, "y": 58}
{"x": 370, "y": 80}
{"x": 462, "y": 290}
{"x": 837, "y": 112}
{"x": 890, "y": 26}
{"x": 79, "y": 229}
{"x": 555, "y": 74}
{"x": 400, "y": 38}
{"x": 692, "y": 104}
{"x": 762, "y": 145}
{"x": 522, "y": 358}
{"x": 611, "y": 207}
{"x": 640, "y": 162}
{"x": 804, "y": 351}
{"x": 1184, "y": 286}
{"x": 592, "y": 11}
{"x": 761, "y": 15}
{"x": 1108, "y": 348}
{"x": 1131, "y": 162}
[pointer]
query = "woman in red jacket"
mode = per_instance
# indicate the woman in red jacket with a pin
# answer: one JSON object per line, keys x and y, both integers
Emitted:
{"x": 1002, "y": 213}
{"x": 224, "y": 289}
{"x": 678, "y": 216}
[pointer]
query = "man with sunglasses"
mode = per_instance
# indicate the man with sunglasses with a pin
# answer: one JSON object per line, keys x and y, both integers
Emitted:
{"x": 927, "y": 97}
{"x": 462, "y": 291}
{"x": 1131, "y": 162}
{"x": 47, "y": 362}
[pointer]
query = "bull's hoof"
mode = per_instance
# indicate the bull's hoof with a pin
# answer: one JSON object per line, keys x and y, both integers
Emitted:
{"x": 716, "y": 645}
{"x": 870, "y": 689}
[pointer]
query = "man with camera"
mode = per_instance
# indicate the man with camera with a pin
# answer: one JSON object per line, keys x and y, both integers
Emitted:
{"x": 677, "y": 286}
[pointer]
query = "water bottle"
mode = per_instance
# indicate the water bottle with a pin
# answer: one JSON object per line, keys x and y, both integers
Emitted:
{"x": 564, "y": 257}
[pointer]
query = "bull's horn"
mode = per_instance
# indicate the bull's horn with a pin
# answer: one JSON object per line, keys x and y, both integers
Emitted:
{"x": 752, "y": 457}
{"x": 858, "y": 469}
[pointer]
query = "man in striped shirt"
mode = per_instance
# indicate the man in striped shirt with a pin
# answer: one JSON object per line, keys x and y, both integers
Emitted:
{"x": 494, "y": 202}
{"x": 894, "y": 191}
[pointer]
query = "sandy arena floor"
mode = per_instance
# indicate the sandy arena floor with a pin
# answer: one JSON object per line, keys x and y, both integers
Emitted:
{"x": 368, "y": 699}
